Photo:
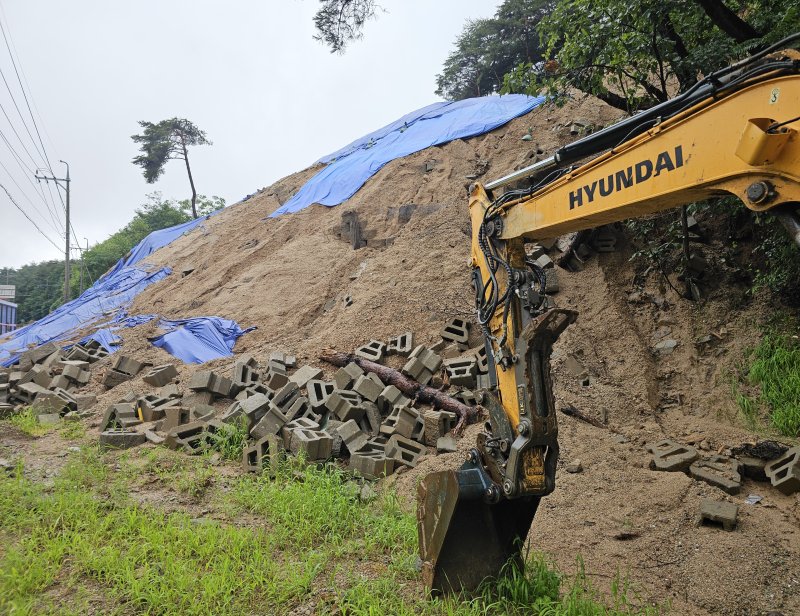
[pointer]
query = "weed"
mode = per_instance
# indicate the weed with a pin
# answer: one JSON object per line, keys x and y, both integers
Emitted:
{"x": 231, "y": 441}
{"x": 775, "y": 367}
{"x": 27, "y": 421}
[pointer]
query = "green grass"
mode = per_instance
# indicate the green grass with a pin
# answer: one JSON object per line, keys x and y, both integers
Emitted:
{"x": 775, "y": 369}
{"x": 26, "y": 421}
{"x": 84, "y": 542}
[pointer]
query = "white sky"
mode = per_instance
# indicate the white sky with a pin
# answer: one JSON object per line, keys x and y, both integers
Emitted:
{"x": 247, "y": 72}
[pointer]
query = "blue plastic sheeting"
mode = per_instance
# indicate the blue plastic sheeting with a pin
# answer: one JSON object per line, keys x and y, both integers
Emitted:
{"x": 201, "y": 339}
{"x": 115, "y": 290}
{"x": 93, "y": 307}
{"x": 439, "y": 123}
{"x": 106, "y": 336}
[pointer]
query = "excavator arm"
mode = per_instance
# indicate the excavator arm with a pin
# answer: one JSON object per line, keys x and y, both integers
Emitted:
{"x": 736, "y": 133}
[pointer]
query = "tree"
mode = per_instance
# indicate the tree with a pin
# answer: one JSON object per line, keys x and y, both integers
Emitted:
{"x": 635, "y": 54}
{"x": 339, "y": 22}
{"x": 487, "y": 49}
{"x": 166, "y": 140}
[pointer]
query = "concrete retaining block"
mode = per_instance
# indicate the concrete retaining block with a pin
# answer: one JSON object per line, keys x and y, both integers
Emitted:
{"x": 271, "y": 423}
{"x": 784, "y": 473}
{"x": 121, "y": 439}
{"x": 352, "y": 436}
{"x": 670, "y": 456}
{"x": 719, "y": 471}
{"x": 161, "y": 375}
{"x": 345, "y": 405}
{"x": 345, "y": 376}
{"x": 315, "y": 444}
{"x": 305, "y": 374}
{"x": 404, "y": 451}
{"x": 456, "y": 330}
{"x": 372, "y": 464}
{"x": 719, "y": 512}
{"x": 373, "y": 350}
{"x": 367, "y": 387}
{"x": 401, "y": 345}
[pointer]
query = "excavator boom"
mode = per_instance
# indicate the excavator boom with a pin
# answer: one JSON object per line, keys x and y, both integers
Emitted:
{"x": 736, "y": 133}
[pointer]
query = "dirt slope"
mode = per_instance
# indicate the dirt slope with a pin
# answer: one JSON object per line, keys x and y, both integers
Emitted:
{"x": 290, "y": 276}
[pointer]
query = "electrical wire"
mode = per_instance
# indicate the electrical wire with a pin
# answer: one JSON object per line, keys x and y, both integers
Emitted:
{"x": 24, "y": 213}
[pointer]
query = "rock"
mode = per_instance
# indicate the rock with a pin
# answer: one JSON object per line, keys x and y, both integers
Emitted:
{"x": 665, "y": 347}
{"x": 575, "y": 466}
{"x": 367, "y": 493}
{"x": 6, "y": 465}
{"x": 49, "y": 419}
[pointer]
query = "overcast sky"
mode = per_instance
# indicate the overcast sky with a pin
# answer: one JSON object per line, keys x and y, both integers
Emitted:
{"x": 248, "y": 72}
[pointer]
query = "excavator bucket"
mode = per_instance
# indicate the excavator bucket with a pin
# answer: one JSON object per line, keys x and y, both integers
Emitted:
{"x": 464, "y": 537}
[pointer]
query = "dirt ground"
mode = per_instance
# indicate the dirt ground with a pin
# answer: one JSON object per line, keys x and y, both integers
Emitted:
{"x": 289, "y": 277}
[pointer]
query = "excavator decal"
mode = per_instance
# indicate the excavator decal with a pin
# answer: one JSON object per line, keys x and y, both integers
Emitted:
{"x": 638, "y": 173}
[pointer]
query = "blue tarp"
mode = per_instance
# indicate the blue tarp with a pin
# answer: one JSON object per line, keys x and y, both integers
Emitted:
{"x": 350, "y": 167}
{"x": 201, "y": 339}
{"x": 114, "y": 291}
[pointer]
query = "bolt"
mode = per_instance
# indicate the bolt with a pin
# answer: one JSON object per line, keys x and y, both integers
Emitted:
{"x": 759, "y": 192}
{"x": 508, "y": 487}
{"x": 523, "y": 429}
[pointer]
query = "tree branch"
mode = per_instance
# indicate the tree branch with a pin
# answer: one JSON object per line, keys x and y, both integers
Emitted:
{"x": 728, "y": 21}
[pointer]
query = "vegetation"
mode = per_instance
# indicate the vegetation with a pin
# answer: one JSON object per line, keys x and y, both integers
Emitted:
{"x": 488, "y": 49}
{"x": 634, "y": 55}
{"x": 168, "y": 140}
{"x": 84, "y": 545}
{"x": 775, "y": 369}
{"x": 339, "y": 22}
{"x": 40, "y": 285}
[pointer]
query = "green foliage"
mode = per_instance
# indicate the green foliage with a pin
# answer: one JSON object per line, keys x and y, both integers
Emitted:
{"x": 232, "y": 441}
{"x": 776, "y": 260}
{"x": 775, "y": 368}
{"x": 163, "y": 141}
{"x": 635, "y": 54}
{"x": 40, "y": 288}
{"x": 487, "y": 49}
{"x": 339, "y": 22}
{"x": 26, "y": 421}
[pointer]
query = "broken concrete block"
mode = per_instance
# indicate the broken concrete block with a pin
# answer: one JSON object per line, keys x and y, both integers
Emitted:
{"x": 404, "y": 451}
{"x": 56, "y": 401}
{"x": 161, "y": 375}
{"x": 372, "y": 464}
{"x": 121, "y": 439}
{"x": 345, "y": 405}
{"x": 289, "y": 361}
{"x": 456, "y": 330}
{"x": 347, "y": 375}
{"x": 305, "y": 374}
{"x": 127, "y": 365}
{"x": 719, "y": 471}
{"x": 401, "y": 345}
{"x": 719, "y": 512}
{"x": 367, "y": 388}
{"x": 753, "y": 468}
{"x": 415, "y": 369}
{"x": 112, "y": 378}
{"x": 370, "y": 422}
{"x": 671, "y": 456}
{"x": 437, "y": 424}
{"x": 373, "y": 350}
{"x": 784, "y": 473}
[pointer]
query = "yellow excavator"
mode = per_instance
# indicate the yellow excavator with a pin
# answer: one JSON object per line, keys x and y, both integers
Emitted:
{"x": 736, "y": 132}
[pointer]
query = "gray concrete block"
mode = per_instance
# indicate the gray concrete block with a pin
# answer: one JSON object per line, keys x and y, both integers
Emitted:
{"x": 719, "y": 471}
{"x": 161, "y": 375}
{"x": 207, "y": 380}
{"x": 367, "y": 388}
{"x": 290, "y": 361}
{"x": 314, "y": 444}
{"x": 719, "y": 512}
{"x": 784, "y": 473}
{"x": 391, "y": 397}
{"x": 401, "y": 345}
{"x": 456, "y": 330}
{"x": 373, "y": 350}
{"x": 416, "y": 370}
{"x": 406, "y": 421}
{"x": 352, "y": 436}
{"x": 462, "y": 371}
{"x": 127, "y": 365}
{"x": 56, "y": 401}
{"x": 671, "y": 456}
{"x": 345, "y": 376}
{"x": 121, "y": 439}
{"x": 112, "y": 378}
{"x": 302, "y": 423}
{"x": 430, "y": 360}
{"x": 345, "y": 405}
{"x": 404, "y": 451}
{"x": 271, "y": 423}
{"x": 305, "y": 374}
{"x": 437, "y": 424}
{"x": 446, "y": 444}
{"x": 372, "y": 465}
{"x": 318, "y": 392}
{"x": 59, "y": 381}
{"x": 175, "y": 416}
{"x": 370, "y": 422}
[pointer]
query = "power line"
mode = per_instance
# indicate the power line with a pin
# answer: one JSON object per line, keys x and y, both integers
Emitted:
{"x": 33, "y": 205}
{"x": 24, "y": 213}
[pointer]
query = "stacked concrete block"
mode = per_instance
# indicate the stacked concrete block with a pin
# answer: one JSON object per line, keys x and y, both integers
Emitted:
{"x": 374, "y": 350}
{"x": 161, "y": 375}
{"x": 784, "y": 473}
{"x": 401, "y": 345}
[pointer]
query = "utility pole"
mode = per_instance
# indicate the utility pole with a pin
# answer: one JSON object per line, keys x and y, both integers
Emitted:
{"x": 66, "y": 181}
